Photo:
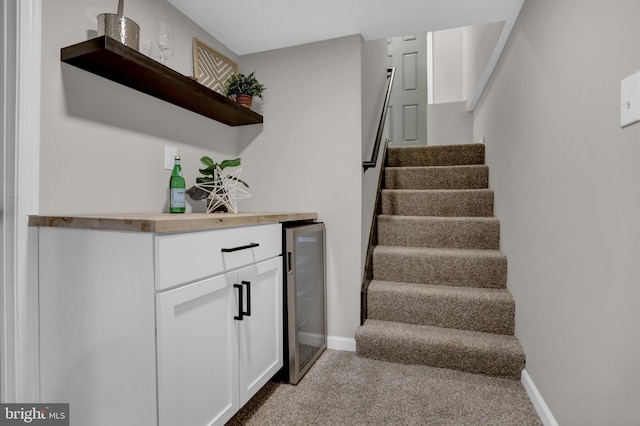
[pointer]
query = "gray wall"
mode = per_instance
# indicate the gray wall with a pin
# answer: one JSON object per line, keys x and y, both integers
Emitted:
{"x": 447, "y": 66}
{"x": 102, "y": 144}
{"x": 566, "y": 178}
{"x": 449, "y": 124}
{"x": 478, "y": 44}
{"x": 308, "y": 156}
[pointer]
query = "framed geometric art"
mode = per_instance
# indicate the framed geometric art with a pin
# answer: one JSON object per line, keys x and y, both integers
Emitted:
{"x": 210, "y": 67}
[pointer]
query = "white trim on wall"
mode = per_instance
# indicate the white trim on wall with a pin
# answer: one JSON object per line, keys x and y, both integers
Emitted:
{"x": 538, "y": 402}
{"x": 6, "y": 249}
{"x": 341, "y": 343}
{"x": 429, "y": 69}
{"x": 19, "y": 366}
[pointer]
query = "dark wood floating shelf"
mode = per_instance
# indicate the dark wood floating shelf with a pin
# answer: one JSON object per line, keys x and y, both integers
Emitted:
{"x": 113, "y": 60}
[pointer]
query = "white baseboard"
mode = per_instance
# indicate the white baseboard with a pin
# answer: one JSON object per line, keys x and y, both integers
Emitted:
{"x": 536, "y": 398}
{"x": 341, "y": 343}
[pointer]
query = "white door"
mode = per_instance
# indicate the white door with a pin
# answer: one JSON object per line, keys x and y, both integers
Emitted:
{"x": 407, "y": 114}
{"x": 260, "y": 333}
{"x": 197, "y": 354}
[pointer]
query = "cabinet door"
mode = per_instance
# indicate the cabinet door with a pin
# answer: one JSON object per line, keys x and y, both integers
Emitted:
{"x": 260, "y": 334}
{"x": 197, "y": 354}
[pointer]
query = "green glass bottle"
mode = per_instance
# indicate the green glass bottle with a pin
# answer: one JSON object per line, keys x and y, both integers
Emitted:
{"x": 176, "y": 188}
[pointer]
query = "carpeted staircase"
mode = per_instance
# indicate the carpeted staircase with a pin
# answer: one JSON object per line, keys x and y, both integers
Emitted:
{"x": 438, "y": 295}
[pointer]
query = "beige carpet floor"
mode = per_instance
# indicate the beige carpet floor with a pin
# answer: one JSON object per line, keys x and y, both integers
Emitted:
{"x": 343, "y": 389}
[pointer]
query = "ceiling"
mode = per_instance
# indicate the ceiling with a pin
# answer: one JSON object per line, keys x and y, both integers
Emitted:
{"x": 250, "y": 26}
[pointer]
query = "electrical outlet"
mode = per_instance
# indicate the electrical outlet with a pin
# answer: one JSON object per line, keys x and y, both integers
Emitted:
{"x": 170, "y": 153}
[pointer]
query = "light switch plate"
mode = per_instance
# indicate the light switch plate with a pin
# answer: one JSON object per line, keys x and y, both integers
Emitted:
{"x": 630, "y": 100}
{"x": 169, "y": 154}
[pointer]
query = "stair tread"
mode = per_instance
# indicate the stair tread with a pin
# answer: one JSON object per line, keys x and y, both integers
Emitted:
{"x": 440, "y": 191}
{"x": 477, "y": 219}
{"x": 472, "y": 351}
{"x": 428, "y": 332}
{"x": 500, "y": 294}
{"x": 438, "y": 202}
{"x": 436, "y": 155}
{"x": 453, "y": 166}
{"x": 443, "y": 146}
{"x": 464, "y": 308}
{"x": 439, "y": 251}
{"x": 436, "y": 147}
{"x": 441, "y": 266}
{"x": 439, "y": 231}
{"x": 434, "y": 177}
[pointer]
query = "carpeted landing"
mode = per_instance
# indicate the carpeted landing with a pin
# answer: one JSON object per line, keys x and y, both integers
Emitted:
{"x": 344, "y": 389}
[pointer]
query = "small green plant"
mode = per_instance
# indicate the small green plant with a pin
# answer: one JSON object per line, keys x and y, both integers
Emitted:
{"x": 240, "y": 84}
{"x": 210, "y": 175}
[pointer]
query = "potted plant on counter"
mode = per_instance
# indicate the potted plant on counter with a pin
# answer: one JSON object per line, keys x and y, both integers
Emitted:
{"x": 244, "y": 87}
{"x": 220, "y": 189}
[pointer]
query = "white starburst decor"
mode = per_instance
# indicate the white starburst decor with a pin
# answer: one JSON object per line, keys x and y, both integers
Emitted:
{"x": 224, "y": 190}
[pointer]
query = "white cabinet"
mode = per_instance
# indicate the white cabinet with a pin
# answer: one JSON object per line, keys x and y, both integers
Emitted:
{"x": 97, "y": 325}
{"x": 197, "y": 354}
{"x": 187, "y": 257}
{"x": 260, "y": 354}
{"x": 200, "y": 380}
{"x": 139, "y": 328}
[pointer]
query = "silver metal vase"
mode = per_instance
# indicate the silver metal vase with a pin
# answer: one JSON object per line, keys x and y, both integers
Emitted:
{"x": 116, "y": 26}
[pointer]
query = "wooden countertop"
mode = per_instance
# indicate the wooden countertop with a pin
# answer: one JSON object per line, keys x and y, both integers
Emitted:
{"x": 166, "y": 222}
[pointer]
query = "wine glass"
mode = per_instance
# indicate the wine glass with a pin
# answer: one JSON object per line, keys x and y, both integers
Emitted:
{"x": 164, "y": 40}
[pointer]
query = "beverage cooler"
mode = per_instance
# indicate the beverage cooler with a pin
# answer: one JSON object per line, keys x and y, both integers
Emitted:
{"x": 305, "y": 322}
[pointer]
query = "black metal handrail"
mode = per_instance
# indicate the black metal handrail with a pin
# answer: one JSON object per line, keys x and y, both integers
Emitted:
{"x": 373, "y": 238}
{"x": 383, "y": 117}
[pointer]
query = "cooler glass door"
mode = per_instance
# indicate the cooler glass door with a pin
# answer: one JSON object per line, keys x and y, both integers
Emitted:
{"x": 306, "y": 297}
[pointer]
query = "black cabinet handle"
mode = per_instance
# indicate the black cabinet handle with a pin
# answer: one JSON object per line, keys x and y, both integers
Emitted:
{"x": 240, "y": 313}
{"x": 248, "y": 246}
{"x": 248, "y": 311}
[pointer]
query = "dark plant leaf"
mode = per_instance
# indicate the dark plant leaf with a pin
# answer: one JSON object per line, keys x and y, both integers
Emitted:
{"x": 243, "y": 182}
{"x": 230, "y": 163}
{"x": 208, "y": 171}
{"x": 239, "y": 180}
{"x": 207, "y": 161}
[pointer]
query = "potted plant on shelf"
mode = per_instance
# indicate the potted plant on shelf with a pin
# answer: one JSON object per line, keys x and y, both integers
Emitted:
{"x": 244, "y": 87}
{"x": 220, "y": 189}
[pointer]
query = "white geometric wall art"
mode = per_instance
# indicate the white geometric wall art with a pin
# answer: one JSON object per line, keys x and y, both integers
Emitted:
{"x": 211, "y": 68}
